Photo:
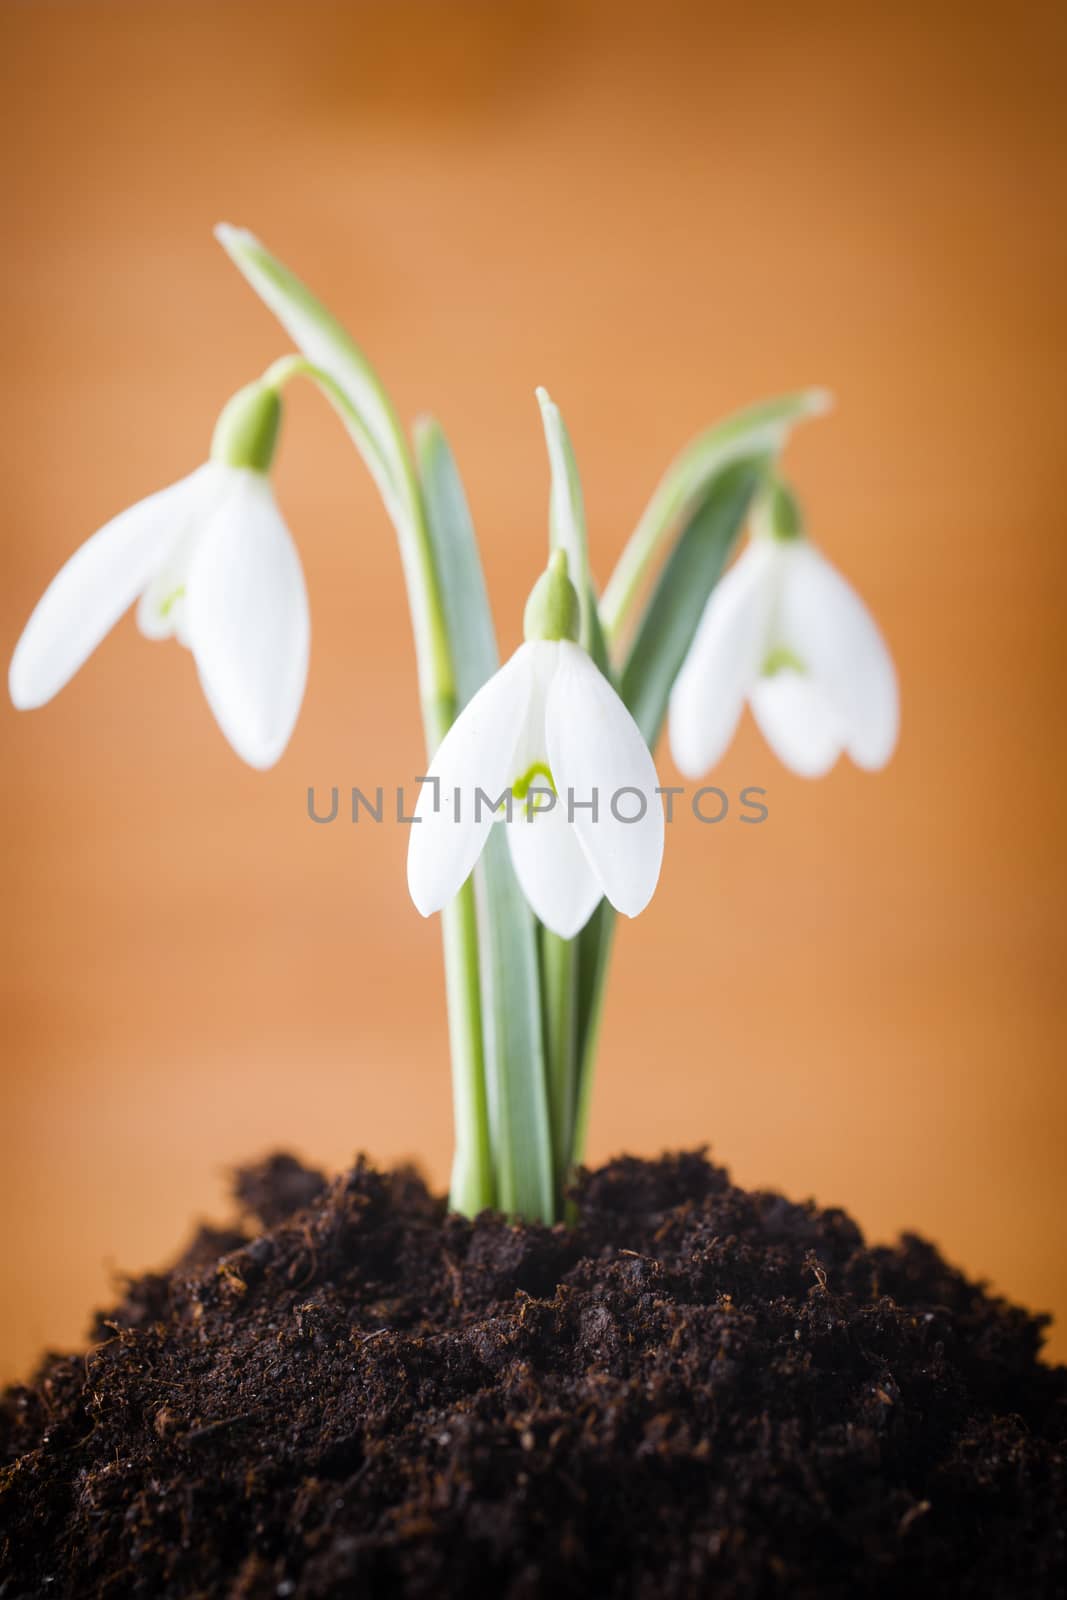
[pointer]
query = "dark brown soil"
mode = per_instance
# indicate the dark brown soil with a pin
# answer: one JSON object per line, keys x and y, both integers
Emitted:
{"x": 697, "y": 1391}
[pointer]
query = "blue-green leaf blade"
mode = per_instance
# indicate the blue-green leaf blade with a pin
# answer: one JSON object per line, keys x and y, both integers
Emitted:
{"x": 512, "y": 1030}
{"x": 682, "y": 590}
{"x": 469, "y": 619}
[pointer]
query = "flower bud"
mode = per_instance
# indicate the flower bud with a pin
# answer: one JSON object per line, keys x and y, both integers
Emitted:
{"x": 779, "y": 515}
{"x": 552, "y": 611}
{"x": 246, "y": 434}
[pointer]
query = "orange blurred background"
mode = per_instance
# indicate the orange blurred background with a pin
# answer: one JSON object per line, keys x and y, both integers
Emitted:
{"x": 661, "y": 213}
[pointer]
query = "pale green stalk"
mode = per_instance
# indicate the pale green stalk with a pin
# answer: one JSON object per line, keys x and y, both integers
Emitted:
{"x": 437, "y": 689}
{"x": 559, "y": 988}
{"x": 559, "y": 957}
{"x": 472, "y": 1186}
{"x": 586, "y": 1048}
{"x": 757, "y": 430}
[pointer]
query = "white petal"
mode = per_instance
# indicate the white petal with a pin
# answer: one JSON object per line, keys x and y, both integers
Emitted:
{"x": 246, "y": 611}
{"x": 595, "y": 746}
{"x": 724, "y": 658}
{"x": 798, "y": 722}
{"x": 477, "y": 752}
{"x": 828, "y": 626}
{"x": 100, "y": 581}
{"x": 531, "y": 750}
{"x": 161, "y": 608}
{"x": 554, "y": 875}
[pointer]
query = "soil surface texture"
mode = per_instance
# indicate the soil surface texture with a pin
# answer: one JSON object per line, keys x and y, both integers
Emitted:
{"x": 695, "y": 1391}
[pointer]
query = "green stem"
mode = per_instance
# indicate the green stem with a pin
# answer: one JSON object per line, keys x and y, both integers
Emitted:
{"x": 473, "y": 1188}
{"x": 559, "y": 979}
{"x": 437, "y": 689}
{"x": 759, "y": 428}
{"x": 598, "y": 960}
{"x": 512, "y": 1019}
{"x": 561, "y": 958}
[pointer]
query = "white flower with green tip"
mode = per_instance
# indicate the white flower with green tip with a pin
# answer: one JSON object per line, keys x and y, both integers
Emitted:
{"x": 785, "y": 631}
{"x": 210, "y": 561}
{"x": 584, "y": 819}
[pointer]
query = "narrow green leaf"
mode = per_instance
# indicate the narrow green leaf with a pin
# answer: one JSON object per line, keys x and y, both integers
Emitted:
{"x": 472, "y": 1188}
{"x": 572, "y": 971}
{"x": 676, "y": 604}
{"x": 594, "y": 954}
{"x": 461, "y": 582}
{"x": 472, "y": 645}
{"x": 566, "y": 506}
{"x": 567, "y": 525}
{"x": 514, "y": 1041}
{"x": 559, "y": 1000}
{"x": 514, "y": 1055}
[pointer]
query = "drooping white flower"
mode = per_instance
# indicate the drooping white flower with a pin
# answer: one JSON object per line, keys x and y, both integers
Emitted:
{"x": 784, "y": 630}
{"x": 549, "y": 749}
{"x": 211, "y": 562}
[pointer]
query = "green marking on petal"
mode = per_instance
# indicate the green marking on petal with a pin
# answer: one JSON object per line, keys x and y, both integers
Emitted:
{"x": 781, "y": 660}
{"x": 521, "y": 787}
{"x": 172, "y": 600}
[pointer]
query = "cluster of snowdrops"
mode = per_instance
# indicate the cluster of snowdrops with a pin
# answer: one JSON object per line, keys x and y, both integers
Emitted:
{"x": 551, "y": 750}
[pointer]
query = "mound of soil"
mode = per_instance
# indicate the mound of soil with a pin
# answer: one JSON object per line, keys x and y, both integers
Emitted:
{"x": 696, "y": 1391}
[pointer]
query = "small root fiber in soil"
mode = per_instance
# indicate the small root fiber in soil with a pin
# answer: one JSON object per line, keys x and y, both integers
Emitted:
{"x": 695, "y": 1391}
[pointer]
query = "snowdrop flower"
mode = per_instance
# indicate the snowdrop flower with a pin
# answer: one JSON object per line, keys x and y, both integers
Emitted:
{"x": 547, "y": 746}
{"x": 786, "y": 632}
{"x": 212, "y": 563}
